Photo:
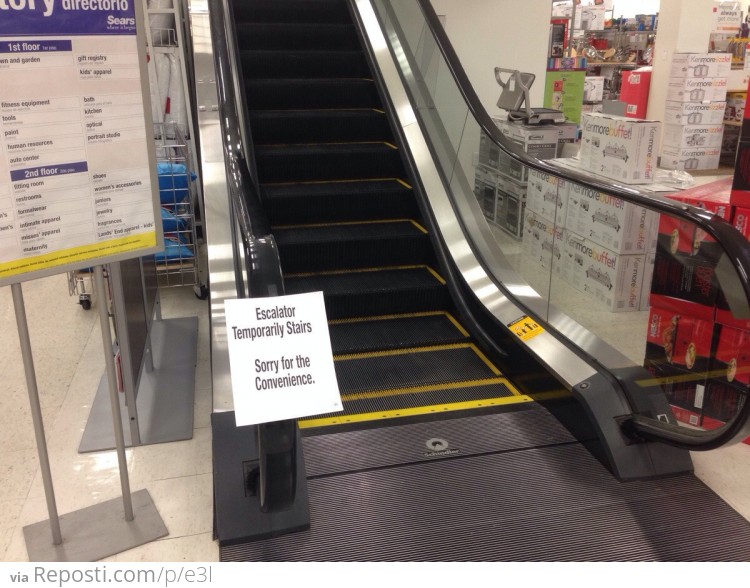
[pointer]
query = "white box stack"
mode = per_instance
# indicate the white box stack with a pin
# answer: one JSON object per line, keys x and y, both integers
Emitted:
{"x": 696, "y": 93}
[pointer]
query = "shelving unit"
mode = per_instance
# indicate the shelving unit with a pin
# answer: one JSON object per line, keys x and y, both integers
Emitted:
{"x": 174, "y": 130}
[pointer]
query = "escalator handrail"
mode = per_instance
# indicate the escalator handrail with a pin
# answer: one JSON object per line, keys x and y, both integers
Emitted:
{"x": 734, "y": 244}
{"x": 245, "y": 195}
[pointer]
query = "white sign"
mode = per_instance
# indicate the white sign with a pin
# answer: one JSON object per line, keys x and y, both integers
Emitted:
{"x": 280, "y": 358}
{"x": 75, "y": 175}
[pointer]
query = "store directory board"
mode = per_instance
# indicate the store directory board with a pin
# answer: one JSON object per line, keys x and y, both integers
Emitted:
{"x": 76, "y": 174}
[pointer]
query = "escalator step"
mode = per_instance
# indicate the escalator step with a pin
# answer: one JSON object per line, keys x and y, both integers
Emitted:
{"x": 432, "y": 401}
{"x": 308, "y": 11}
{"x": 314, "y": 93}
{"x": 304, "y": 64}
{"x": 394, "y": 332}
{"x": 337, "y": 201}
{"x": 339, "y": 161}
{"x": 318, "y": 126}
{"x": 374, "y": 292}
{"x": 295, "y": 36}
{"x": 388, "y": 371}
{"x": 352, "y": 245}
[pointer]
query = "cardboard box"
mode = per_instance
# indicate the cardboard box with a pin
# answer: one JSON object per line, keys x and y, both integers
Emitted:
{"x": 685, "y": 277}
{"x": 619, "y": 148}
{"x": 729, "y": 142}
{"x": 547, "y": 196}
{"x": 692, "y": 136}
{"x": 510, "y": 202}
{"x": 589, "y": 18}
{"x": 648, "y": 274}
{"x": 634, "y": 93}
{"x": 589, "y": 108}
{"x": 563, "y": 8}
{"x": 613, "y": 280}
{"x": 697, "y": 89}
{"x": 690, "y": 159}
{"x": 694, "y": 113}
{"x": 741, "y": 220}
{"x": 700, "y": 65}
{"x": 542, "y": 242}
{"x": 538, "y": 141}
{"x": 485, "y": 182}
{"x": 679, "y": 340}
{"x": 593, "y": 89}
{"x": 611, "y": 222}
{"x": 735, "y": 108}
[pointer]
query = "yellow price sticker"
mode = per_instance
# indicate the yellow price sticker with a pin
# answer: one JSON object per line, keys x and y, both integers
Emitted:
{"x": 525, "y": 328}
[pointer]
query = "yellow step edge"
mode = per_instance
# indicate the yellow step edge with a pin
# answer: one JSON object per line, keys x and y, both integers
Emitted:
{"x": 403, "y": 183}
{"x": 428, "y": 388}
{"x": 404, "y": 351}
{"x": 386, "y": 143}
{"x": 355, "y": 181}
{"x": 385, "y": 317}
{"x": 417, "y": 411}
{"x": 349, "y": 223}
{"x": 365, "y": 270}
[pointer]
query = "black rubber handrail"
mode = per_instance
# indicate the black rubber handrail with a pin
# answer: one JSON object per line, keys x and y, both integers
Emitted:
{"x": 734, "y": 244}
{"x": 276, "y": 442}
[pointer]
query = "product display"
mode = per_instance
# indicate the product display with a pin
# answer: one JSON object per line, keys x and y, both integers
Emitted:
{"x": 619, "y": 148}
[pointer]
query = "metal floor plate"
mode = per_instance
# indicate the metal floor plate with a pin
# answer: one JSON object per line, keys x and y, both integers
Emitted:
{"x": 549, "y": 503}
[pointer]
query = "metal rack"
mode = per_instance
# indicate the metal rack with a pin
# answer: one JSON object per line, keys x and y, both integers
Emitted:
{"x": 179, "y": 264}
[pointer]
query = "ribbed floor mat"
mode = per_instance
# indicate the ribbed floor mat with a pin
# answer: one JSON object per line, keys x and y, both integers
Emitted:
{"x": 551, "y": 503}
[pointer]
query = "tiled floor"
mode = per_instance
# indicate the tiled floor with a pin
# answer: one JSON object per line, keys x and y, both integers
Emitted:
{"x": 69, "y": 364}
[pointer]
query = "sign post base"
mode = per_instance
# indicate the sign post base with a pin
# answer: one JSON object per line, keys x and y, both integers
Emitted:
{"x": 97, "y": 531}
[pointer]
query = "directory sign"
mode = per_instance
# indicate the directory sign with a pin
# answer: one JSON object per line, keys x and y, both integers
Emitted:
{"x": 76, "y": 174}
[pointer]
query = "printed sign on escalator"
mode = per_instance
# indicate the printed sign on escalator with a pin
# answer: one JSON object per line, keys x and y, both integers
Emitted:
{"x": 280, "y": 358}
{"x": 525, "y": 328}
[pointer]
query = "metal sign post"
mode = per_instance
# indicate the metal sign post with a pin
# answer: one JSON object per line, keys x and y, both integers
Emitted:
{"x": 78, "y": 188}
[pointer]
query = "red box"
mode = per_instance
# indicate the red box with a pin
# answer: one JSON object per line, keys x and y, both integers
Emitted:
{"x": 741, "y": 220}
{"x": 686, "y": 416}
{"x": 675, "y": 235}
{"x": 634, "y": 92}
{"x": 681, "y": 341}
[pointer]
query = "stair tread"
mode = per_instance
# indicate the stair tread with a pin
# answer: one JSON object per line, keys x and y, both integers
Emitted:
{"x": 393, "y": 332}
{"x": 426, "y": 366}
{"x": 354, "y": 187}
{"x": 327, "y": 148}
{"x": 346, "y": 232}
{"x": 373, "y": 281}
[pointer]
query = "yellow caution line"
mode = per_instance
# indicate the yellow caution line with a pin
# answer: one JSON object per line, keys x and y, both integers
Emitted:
{"x": 458, "y": 325}
{"x": 365, "y": 270}
{"x": 693, "y": 377}
{"x": 417, "y": 411}
{"x": 357, "y": 181}
{"x": 385, "y": 317}
{"x": 403, "y": 183}
{"x": 437, "y": 276}
{"x": 349, "y": 223}
{"x": 386, "y": 143}
{"x": 420, "y": 227}
{"x": 428, "y": 388}
{"x": 425, "y": 349}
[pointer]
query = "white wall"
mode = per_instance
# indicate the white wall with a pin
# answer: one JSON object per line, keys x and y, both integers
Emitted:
{"x": 498, "y": 33}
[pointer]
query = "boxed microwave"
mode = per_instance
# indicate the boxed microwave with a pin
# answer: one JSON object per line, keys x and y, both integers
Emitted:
{"x": 687, "y": 136}
{"x": 612, "y": 279}
{"x": 510, "y": 202}
{"x": 611, "y": 222}
{"x": 619, "y": 148}
{"x": 700, "y": 65}
{"x": 694, "y": 113}
{"x": 697, "y": 89}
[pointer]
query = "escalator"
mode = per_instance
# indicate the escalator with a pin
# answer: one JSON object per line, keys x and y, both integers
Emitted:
{"x": 346, "y": 220}
{"x": 442, "y": 451}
